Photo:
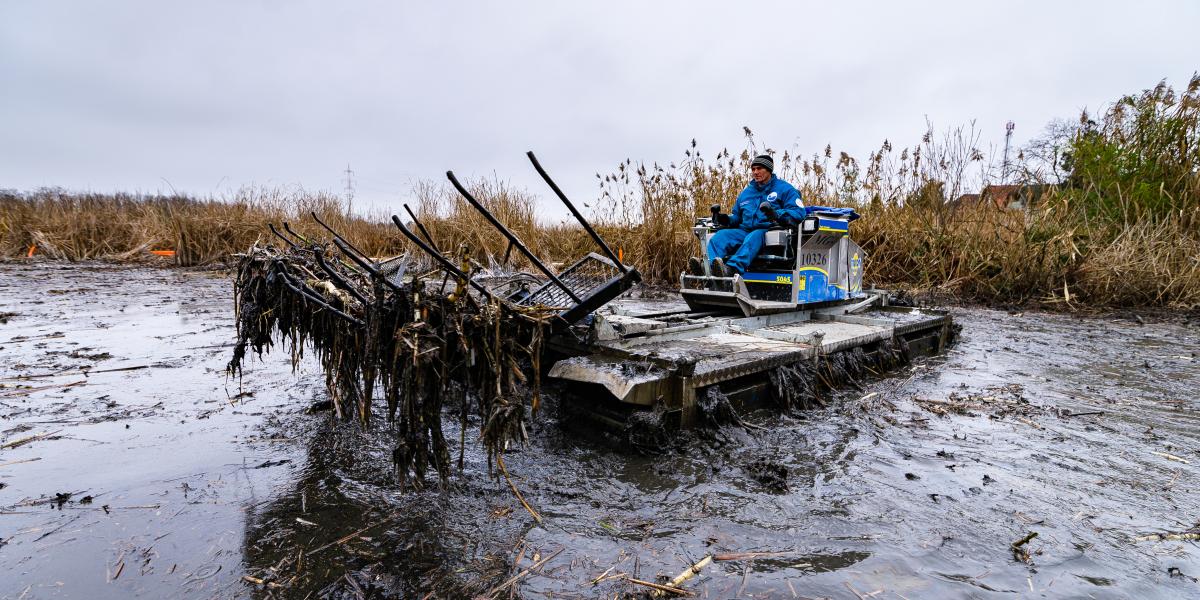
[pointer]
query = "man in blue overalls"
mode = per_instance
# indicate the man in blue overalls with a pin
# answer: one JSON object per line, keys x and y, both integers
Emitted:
{"x": 767, "y": 200}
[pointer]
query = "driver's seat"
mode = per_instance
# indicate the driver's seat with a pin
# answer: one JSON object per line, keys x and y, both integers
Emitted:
{"x": 778, "y": 251}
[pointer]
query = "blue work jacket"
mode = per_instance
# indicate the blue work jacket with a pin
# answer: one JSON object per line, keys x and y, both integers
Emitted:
{"x": 786, "y": 200}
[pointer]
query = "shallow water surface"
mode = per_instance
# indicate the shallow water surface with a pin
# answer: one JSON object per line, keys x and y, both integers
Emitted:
{"x": 913, "y": 485}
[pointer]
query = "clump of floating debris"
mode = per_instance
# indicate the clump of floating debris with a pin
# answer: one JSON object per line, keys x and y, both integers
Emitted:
{"x": 424, "y": 331}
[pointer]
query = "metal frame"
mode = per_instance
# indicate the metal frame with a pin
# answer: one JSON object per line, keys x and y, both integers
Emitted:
{"x": 583, "y": 300}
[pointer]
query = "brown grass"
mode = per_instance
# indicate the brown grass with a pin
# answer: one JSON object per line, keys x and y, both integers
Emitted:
{"x": 977, "y": 253}
{"x": 454, "y": 224}
{"x": 68, "y": 226}
{"x": 1122, "y": 229}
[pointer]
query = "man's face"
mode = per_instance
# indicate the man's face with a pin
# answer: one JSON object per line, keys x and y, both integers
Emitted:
{"x": 760, "y": 174}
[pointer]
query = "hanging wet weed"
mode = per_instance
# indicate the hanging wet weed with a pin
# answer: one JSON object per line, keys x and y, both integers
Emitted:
{"x": 414, "y": 341}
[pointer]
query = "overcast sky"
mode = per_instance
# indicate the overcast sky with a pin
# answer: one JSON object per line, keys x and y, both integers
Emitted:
{"x": 204, "y": 97}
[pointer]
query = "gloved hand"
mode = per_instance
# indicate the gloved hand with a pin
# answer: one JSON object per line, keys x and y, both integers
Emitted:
{"x": 769, "y": 210}
{"x": 719, "y": 220}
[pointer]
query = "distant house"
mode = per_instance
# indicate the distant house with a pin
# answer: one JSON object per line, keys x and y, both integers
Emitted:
{"x": 1009, "y": 196}
{"x": 963, "y": 201}
{"x": 1002, "y": 196}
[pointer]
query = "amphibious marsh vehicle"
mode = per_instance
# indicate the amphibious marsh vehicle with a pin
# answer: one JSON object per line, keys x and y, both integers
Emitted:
{"x": 799, "y": 320}
{"x": 801, "y": 301}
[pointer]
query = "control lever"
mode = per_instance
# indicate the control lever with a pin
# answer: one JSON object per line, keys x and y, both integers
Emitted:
{"x": 772, "y": 214}
{"x": 769, "y": 210}
{"x": 719, "y": 220}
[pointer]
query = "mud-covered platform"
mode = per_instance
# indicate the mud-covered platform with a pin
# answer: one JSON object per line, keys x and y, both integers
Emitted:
{"x": 659, "y": 356}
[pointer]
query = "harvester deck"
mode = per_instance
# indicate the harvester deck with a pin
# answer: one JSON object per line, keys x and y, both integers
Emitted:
{"x": 648, "y": 358}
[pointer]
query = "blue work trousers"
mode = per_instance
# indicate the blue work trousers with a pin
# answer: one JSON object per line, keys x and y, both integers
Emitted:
{"x": 743, "y": 245}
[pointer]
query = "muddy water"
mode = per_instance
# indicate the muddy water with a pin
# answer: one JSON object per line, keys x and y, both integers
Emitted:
{"x": 913, "y": 486}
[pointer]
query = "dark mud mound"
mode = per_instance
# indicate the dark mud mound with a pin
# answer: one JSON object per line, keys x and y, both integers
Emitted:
{"x": 772, "y": 475}
{"x": 716, "y": 410}
{"x": 646, "y": 432}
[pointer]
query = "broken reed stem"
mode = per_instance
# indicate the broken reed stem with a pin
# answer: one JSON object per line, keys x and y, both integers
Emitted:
{"x": 17, "y": 462}
{"x": 1183, "y": 536}
{"x": 500, "y": 463}
{"x": 518, "y": 576}
{"x": 26, "y": 391}
{"x": 687, "y": 574}
{"x": 353, "y": 535}
{"x": 660, "y": 587}
{"x": 602, "y": 576}
{"x": 1171, "y": 457}
{"x": 1018, "y": 549}
{"x": 26, "y": 440}
{"x": 84, "y": 372}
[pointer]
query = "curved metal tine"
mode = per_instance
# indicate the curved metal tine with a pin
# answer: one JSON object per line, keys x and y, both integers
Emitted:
{"x": 338, "y": 236}
{"x": 445, "y": 262}
{"x": 288, "y": 228}
{"x": 337, "y": 279}
{"x": 308, "y": 241}
{"x": 344, "y": 247}
{"x": 300, "y": 288}
{"x": 511, "y": 237}
{"x": 290, "y": 243}
{"x": 421, "y": 228}
{"x": 579, "y": 217}
{"x": 428, "y": 237}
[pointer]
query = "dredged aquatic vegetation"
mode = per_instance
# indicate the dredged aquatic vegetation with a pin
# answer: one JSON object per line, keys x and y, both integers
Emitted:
{"x": 425, "y": 343}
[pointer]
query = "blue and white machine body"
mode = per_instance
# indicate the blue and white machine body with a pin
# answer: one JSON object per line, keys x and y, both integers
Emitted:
{"x": 800, "y": 300}
{"x": 811, "y": 263}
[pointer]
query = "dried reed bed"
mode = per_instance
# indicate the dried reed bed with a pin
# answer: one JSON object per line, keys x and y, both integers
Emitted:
{"x": 1115, "y": 220}
{"x": 456, "y": 226}
{"x": 1116, "y": 223}
{"x": 87, "y": 226}
{"x": 648, "y": 210}
{"x": 84, "y": 226}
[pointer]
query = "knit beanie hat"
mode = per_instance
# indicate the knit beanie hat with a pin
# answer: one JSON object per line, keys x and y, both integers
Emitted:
{"x": 764, "y": 161}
